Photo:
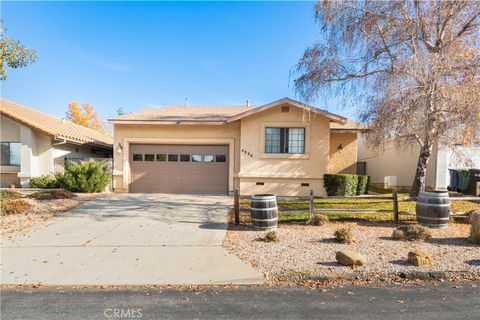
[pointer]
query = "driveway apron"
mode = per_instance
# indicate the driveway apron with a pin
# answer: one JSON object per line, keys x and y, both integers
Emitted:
{"x": 129, "y": 239}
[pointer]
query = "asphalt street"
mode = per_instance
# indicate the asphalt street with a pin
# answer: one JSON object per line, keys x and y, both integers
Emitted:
{"x": 447, "y": 300}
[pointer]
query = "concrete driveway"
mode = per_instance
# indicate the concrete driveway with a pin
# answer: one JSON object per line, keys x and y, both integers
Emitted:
{"x": 129, "y": 239}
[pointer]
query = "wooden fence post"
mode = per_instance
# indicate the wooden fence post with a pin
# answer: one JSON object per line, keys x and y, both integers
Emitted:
{"x": 395, "y": 205}
{"x": 236, "y": 206}
{"x": 311, "y": 207}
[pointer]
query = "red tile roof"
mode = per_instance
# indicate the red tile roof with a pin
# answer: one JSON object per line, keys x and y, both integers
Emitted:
{"x": 53, "y": 126}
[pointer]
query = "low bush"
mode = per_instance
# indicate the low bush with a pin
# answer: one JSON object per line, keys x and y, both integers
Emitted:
{"x": 412, "y": 232}
{"x": 343, "y": 235}
{"x": 319, "y": 219}
{"x": 6, "y": 197}
{"x": 345, "y": 184}
{"x": 15, "y": 206}
{"x": 270, "y": 236}
{"x": 52, "y": 195}
{"x": 44, "y": 182}
{"x": 7, "y": 194}
{"x": 86, "y": 176}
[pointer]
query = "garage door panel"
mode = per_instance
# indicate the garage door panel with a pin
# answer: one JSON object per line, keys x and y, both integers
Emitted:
{"x": 179, "y": 177}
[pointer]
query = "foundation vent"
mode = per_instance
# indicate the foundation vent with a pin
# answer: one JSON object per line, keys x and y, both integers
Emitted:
{"x": 260, "y": 183}
{"x": 305, "y": 184}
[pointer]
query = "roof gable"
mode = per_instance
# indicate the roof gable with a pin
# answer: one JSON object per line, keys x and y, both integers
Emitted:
{"x": 290, "y": 102}
{"x": 53, "y": 126}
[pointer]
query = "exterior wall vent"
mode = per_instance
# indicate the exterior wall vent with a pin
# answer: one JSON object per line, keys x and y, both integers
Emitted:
{"x": 285, "y": 109}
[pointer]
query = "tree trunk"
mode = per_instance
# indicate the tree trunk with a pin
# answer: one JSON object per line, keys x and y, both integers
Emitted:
{"x": 421, "y": 173}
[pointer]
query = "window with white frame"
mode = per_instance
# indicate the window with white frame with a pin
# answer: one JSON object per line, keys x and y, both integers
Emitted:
{"x": 285, "y": 140}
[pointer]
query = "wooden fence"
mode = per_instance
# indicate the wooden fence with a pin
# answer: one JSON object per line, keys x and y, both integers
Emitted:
{"x": 312, "y": 210}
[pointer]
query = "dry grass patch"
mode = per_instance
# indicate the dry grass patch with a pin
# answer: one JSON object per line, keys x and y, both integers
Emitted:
{"x": 52, "y": 194}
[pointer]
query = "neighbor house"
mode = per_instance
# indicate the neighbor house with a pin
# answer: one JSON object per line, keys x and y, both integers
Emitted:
{"x": 395, "y": 165}
{"x": 284, "y": 147}
{"x": 34, "y": 143}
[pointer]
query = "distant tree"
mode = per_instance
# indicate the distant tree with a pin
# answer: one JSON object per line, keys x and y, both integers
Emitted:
{"x": 120, "y": 112}
{"x": 413, "y": 65}
{"x": 84, "y": 116}
{"x": 13, "y": 53}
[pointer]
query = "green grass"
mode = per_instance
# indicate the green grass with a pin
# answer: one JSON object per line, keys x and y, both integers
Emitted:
{"x": 351, "y": 203}
{"x": 301, "y": 217}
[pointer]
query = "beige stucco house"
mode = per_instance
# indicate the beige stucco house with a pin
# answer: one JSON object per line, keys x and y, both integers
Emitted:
{"x": 394, "y": 165}
{"x": 34, "y": 143}
{"x": 284, "y": 147}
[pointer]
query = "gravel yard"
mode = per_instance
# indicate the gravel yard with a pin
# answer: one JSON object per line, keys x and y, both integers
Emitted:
{"x": 41, "y": 211}
{"x": 309, "y": 251}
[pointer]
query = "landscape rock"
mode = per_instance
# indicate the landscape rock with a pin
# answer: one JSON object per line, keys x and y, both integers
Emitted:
{"x": 419, "y": 257}
{"x": 475, "y": 226}
{"x": 350, "y": 258}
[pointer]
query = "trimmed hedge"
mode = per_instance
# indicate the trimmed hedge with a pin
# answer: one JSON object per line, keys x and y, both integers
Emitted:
{"x": 363, "y": 181}
{"x": 345, "y": 184}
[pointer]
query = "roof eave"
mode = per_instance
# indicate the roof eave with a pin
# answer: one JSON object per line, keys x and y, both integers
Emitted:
{"x": 348, "y": 130}
{"x": 167, "y": 122}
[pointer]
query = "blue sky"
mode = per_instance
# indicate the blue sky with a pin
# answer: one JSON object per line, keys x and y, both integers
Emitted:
{"x": 135, "y": 55}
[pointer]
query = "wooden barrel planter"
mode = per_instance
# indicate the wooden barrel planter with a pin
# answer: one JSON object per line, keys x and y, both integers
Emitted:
{"x": 264, "y": 211}
{"x": 433, "y": 209}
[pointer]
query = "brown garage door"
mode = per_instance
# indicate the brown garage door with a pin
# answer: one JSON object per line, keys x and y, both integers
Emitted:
{"x": 179, "y": 168}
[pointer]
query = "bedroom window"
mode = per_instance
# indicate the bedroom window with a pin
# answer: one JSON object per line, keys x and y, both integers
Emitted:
{"x": 10, "y": 155}
{"x": 284, "y": 140}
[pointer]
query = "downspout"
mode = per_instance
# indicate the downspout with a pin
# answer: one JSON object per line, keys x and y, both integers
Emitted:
{"x": 62, "y": 141}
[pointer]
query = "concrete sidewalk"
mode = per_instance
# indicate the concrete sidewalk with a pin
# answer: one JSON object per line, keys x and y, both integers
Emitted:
{"x": 129, "y": 239}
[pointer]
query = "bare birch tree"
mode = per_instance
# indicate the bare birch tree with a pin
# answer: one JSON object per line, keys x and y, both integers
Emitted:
{"x": 415, "y": 66}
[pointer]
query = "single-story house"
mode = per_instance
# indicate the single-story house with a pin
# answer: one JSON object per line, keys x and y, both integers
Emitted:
{"x": 284, "y": 147}
{"x": 34, "y": 143}
{"x": 395, "y": 166}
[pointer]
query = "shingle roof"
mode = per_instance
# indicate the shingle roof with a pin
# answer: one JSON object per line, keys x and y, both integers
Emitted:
{"x": 210, "y": 114}
{"x": 53, "y": 126}
{"x": 184, "y": 114}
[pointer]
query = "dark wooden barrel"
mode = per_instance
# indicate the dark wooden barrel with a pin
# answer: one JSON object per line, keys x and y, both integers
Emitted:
{"x": 264, "y": 211}
{"x": 433, "y": 209}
